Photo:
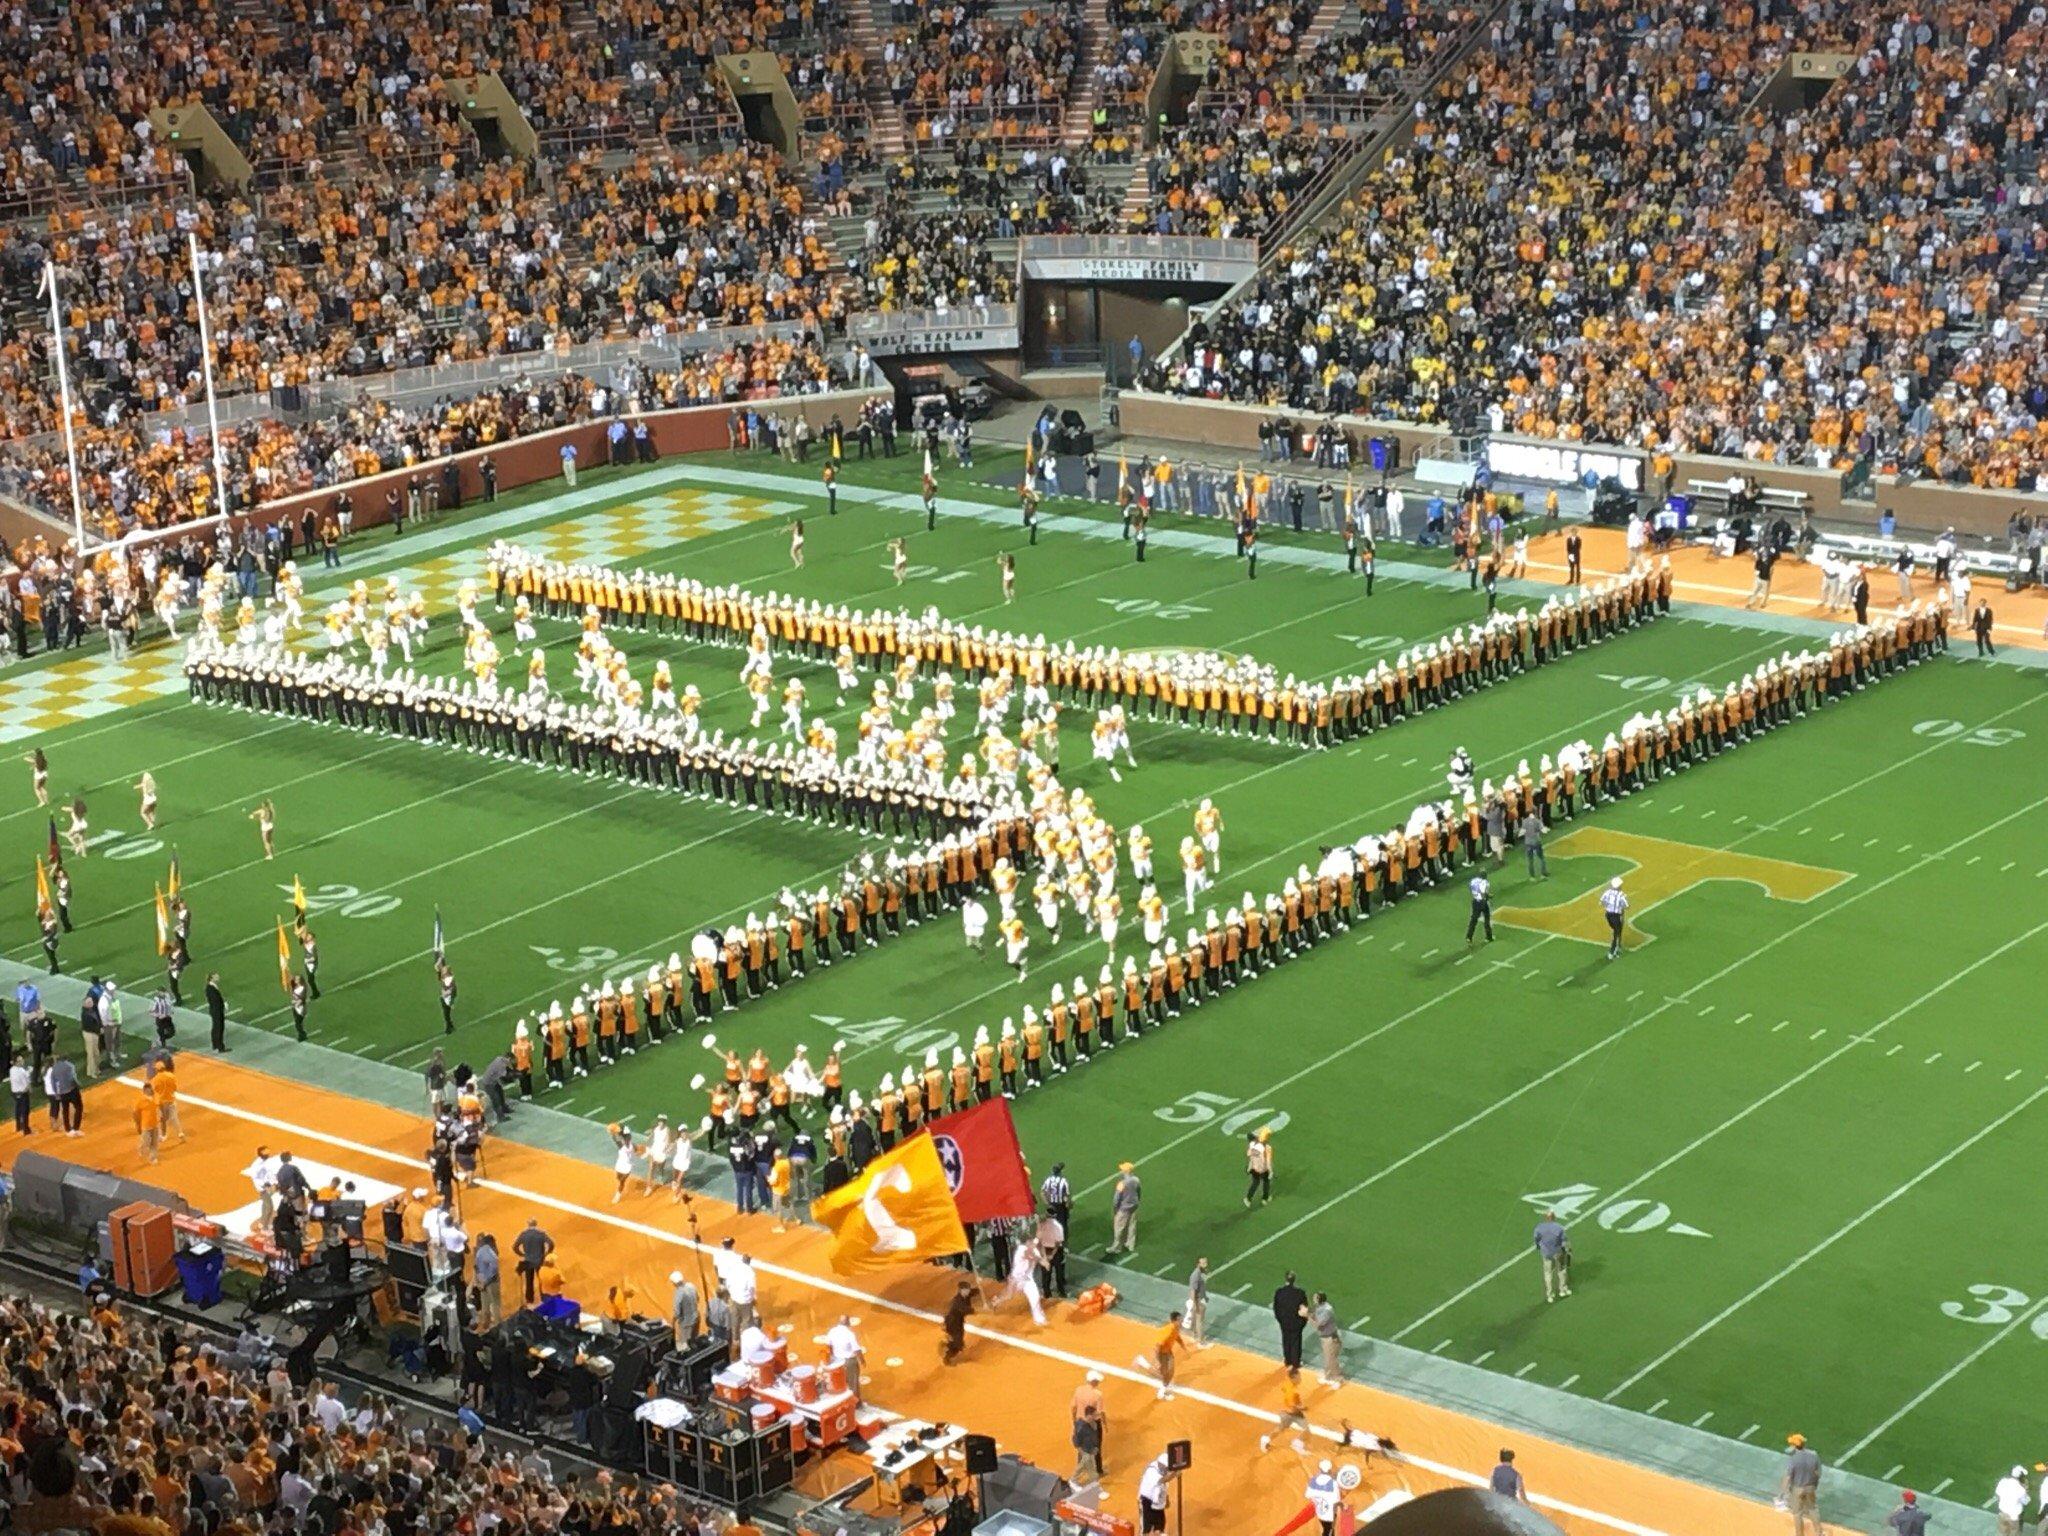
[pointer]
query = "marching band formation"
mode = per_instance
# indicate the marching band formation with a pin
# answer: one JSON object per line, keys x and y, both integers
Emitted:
{"x": 1193, "y": 688}
{"x": 1003, "y": 827}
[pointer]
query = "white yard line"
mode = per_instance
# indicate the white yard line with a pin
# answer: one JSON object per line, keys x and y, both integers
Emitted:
{"x": 1821, "y": 1247}
{"x": 1854, "y": 896}
{"x": 2024, "y": 1315}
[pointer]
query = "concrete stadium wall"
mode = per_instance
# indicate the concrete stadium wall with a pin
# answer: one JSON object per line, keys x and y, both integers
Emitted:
{"x": 1225, "y": 424}
{"x": 529, "y": 460}
{"x": 1918, "y": 505}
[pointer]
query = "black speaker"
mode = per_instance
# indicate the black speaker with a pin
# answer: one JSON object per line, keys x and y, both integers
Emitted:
{"x": 1179, "y": 1453}
{"x": 980, "y": 1451}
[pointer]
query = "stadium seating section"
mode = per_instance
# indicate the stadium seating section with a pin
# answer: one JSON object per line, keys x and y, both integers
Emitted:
{"x": 1602, "y": 228}
{"x": 113, "y": 1421}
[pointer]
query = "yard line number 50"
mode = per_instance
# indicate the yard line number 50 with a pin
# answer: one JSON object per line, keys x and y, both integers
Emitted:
{"x": 1237, "y": 1120}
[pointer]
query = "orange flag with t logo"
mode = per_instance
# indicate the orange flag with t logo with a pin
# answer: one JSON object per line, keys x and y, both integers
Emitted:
{"x": 898, "y": 1211}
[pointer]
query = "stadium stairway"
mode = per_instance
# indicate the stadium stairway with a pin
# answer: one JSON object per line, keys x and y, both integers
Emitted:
{"x": 866, "y": 27}
{"x": 1084, "y": 89}
{"x": 2034, "y": 302}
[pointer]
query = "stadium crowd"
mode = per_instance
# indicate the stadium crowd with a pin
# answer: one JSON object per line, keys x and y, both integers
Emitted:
{"x": 113, "y": 1422}
{"x": 1599, "y": 231}
{"x": 136, "y": 474}
{"x": 1595, "y": 234}
{"x": 957, "y": 61}
{"x": 400, "y": 270}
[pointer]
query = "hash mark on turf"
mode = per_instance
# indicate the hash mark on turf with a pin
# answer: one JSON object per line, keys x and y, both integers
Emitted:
{"x": 1565, "y": 1385}
{"x": 1745, "y": 1018}
{"x": 1871, "y": 844}
{"x": 1930, "y": 1061}
{"x": 1705, "y": 814}
{"x": 1563, "y": 981}
{"x": 1602, "y": 987}
{"x": 1708, "y": 1009}
{"x": 1446, "y": 1344}
{"x": 1635, "y": 994}
{"x": 1973, "y": 1066}
{"x": 1749, "y": 1431}
{"x": 1975, "y": 858}
{"x": 1431, "y": 953}
{"x": 1894, "y": 1472}
{"x": 1935, "y": 1491}
{"x": 1355, "y": 1327}
{"x": 1242, "y": 1289}
{"x": 1905, "y": 848}
{"x": 1484, "y": 1358}
{"x": 1396, "y": 949}
{"x": 1838, "y": 837}
{"x": 1696, "y": 1423}
{"x": 2009, "y": 864}
{"x": 1525, "y": 1370}
{"x": 1818, "y": 1033}
{"x": 1658, "y": 1404}
{"x": 2015, "y": 1072}
{"x": 1895, "y": 1050}
{"x": 1779, "y": 1025}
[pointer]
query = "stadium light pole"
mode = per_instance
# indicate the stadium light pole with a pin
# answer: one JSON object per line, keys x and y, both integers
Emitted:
{"x": 64, "y": 404}
{"x": 220, "y": 479}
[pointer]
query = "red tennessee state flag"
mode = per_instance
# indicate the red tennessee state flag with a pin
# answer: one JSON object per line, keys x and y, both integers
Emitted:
{"x": 984, "y": 1165}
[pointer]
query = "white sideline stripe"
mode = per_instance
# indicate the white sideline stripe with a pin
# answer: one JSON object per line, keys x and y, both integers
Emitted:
{"x": 1830, "y": 1240}
{"x": 1502, "y": 1268}
{"x": 904, "y": 1309}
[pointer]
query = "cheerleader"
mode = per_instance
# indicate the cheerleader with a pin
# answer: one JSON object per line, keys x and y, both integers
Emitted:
{"x": 796, "y": 544}
{"x": 662, "y": 696}
{"x": 523, "y": 630}
{"x": 1007, "y": 564}
{"x": 793, "y": 709}
{"x": 39, "y": 775}
{"x": 146, "y": 787}
{"x": 75, "y": 833}
{"x": 899, "y": 560}
{"x": 843, "y": 668}
{"x": 265, "y": 817}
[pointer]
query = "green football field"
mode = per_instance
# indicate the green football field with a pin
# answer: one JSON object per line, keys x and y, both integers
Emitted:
{"x": 1791, "y": 1127}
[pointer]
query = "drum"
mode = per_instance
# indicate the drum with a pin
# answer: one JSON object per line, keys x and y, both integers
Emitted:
{"x": 730, "y": 1386}
{"x": 803, "y": 1384}
{"x": 834, "y": 1378}
{"x": 764, "y": 1417}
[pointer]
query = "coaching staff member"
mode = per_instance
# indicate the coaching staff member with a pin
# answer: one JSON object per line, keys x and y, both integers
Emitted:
{"x": 1290, "y": 1311}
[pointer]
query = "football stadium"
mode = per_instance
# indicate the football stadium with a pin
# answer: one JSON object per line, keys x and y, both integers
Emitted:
{"x": 673, "y": 676}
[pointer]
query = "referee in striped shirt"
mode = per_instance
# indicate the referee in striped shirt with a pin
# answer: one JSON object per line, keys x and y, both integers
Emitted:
{"x": 1058, "y": 1195}
{"x": 1614, "y": 904}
